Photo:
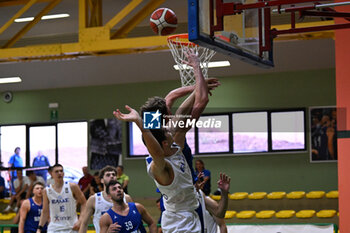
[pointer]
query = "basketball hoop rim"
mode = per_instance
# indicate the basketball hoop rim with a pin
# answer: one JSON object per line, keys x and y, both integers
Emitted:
{"x": 172, "y": 39}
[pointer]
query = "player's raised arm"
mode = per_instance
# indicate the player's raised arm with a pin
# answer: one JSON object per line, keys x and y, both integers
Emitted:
{"x": 201, "y": 90}
{"x": 153, "y": 147}
{"x": 219, "y": 209}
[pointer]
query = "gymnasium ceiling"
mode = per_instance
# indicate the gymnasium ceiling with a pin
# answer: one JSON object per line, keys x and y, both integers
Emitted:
{"x": 290, "y": 55}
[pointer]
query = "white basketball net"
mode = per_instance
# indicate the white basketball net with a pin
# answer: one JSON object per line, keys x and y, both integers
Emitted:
{"x": 178, "y": 44}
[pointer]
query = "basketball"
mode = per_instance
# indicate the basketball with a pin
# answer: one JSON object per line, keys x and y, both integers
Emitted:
{"x": 163, "y": 21}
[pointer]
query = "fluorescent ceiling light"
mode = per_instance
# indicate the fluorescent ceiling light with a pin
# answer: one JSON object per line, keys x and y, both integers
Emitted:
{"x": 10, "y": 80}
{"x": 212, "y": 64}
{"x": 27, "y": 19}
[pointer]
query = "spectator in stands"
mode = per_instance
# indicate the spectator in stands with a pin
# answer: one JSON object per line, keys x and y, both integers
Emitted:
{"x": 41, "y": 161}
{"x": 33, "y": 178}
{"x": 205, "y": 179}
{"x": 122, "y": 178}
{"x": 96, "y": 185}
{"x": 2, "y": 187}
{"x": 84, "y": 182}
{"x": 21, "y": 187}
{"x": 14, "y": 162}
{"x": 50, "y": 180}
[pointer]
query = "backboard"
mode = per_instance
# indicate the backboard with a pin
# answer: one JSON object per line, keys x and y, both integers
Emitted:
{"x": 245, "y": 35}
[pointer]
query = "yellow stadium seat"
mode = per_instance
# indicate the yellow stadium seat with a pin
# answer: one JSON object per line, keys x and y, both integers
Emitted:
{"x": 326, "y": 213}
{"x": 305, "y": 213}
{"x": 332, "y": 194}
{"x": 238, "y": 196}
{"x": 265, "y": 214}
{"x": 285, "y": 214}
{"x": 215, "y": 197}
{"x": 8, "y": 216}
{"x": 5, "y": 201}
{"x": 230, "y": 214}
{"x": 315, "y": 194}
{"x": 257, "y": 195}
{"x": 245, "y": 214}
{"x": 296, "y": 195}
{"x": 276, "y": 195}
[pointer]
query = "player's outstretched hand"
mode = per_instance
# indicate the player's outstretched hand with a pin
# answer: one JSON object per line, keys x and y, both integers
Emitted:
{"x": 212, "y": 83}
{"x": 115, "y": 227}
{"x": 192, "y": 58}
{"x": 199, "y": 184}
{"x": 224, "y": 183}
{"x": 133, "y": 115}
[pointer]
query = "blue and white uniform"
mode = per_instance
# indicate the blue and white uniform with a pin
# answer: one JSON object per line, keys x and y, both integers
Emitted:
{"x": 101, "y": 207}
{"x": 131, "y": 223}
{"x": 33, "y": 217}
{"x": 63, "y": 213}
{"x": 180, "y": 197}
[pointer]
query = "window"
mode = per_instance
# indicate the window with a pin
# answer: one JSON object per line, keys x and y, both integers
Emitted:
{"x": 250, "y": 132}
{"x": 288, "y": 131}
{"x": 42, "y": 139}
{"x": 72, "y": 144}
{"x": 136, "y": 146}
{"x": 214, "y": 139}
{"x": 239, "y": 133}
{"x": 12, "y": 137}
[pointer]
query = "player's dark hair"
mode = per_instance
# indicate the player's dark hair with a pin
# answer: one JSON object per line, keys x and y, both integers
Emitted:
{"x": 153, "y": 104}
{"x": 107, "y": 169}
{"x": 158, "y": 134}
{"x": 17, "y": 148}
{"x": 111, "y": 183}
{"x": 121, "y": 167}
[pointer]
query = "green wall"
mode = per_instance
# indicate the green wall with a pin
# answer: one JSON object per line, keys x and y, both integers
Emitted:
{"x": 270, "y": 172}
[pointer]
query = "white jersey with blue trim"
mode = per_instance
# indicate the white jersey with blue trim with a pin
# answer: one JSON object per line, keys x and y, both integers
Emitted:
{"x": 209, "y": 223}
{"x": 180, "y": 195}
{"x": 101, "y": 207}
{"x": 63, "y": 212}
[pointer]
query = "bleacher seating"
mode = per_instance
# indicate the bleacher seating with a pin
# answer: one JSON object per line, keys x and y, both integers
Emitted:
{"x": 283, "y": 207}
{"x": 265, "y": 214}
{"x": 315, "y": 194}
{"x": 238, "y": 196}
{"x": 276, "y": 195}
{"x": 244, "y": 214}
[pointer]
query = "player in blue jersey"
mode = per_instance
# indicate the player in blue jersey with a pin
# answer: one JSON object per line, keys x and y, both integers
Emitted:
{"x": 31, "y": 210}
{"x": 99, "y": 203}
{"x": 122, "y": 217}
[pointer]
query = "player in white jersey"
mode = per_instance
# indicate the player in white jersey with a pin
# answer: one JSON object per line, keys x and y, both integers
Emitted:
{"x": 213, "y": 212}
{"x": 59, "y": 204}
{"x": 99, "y": 203}
{"x": 167, "y": 164}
